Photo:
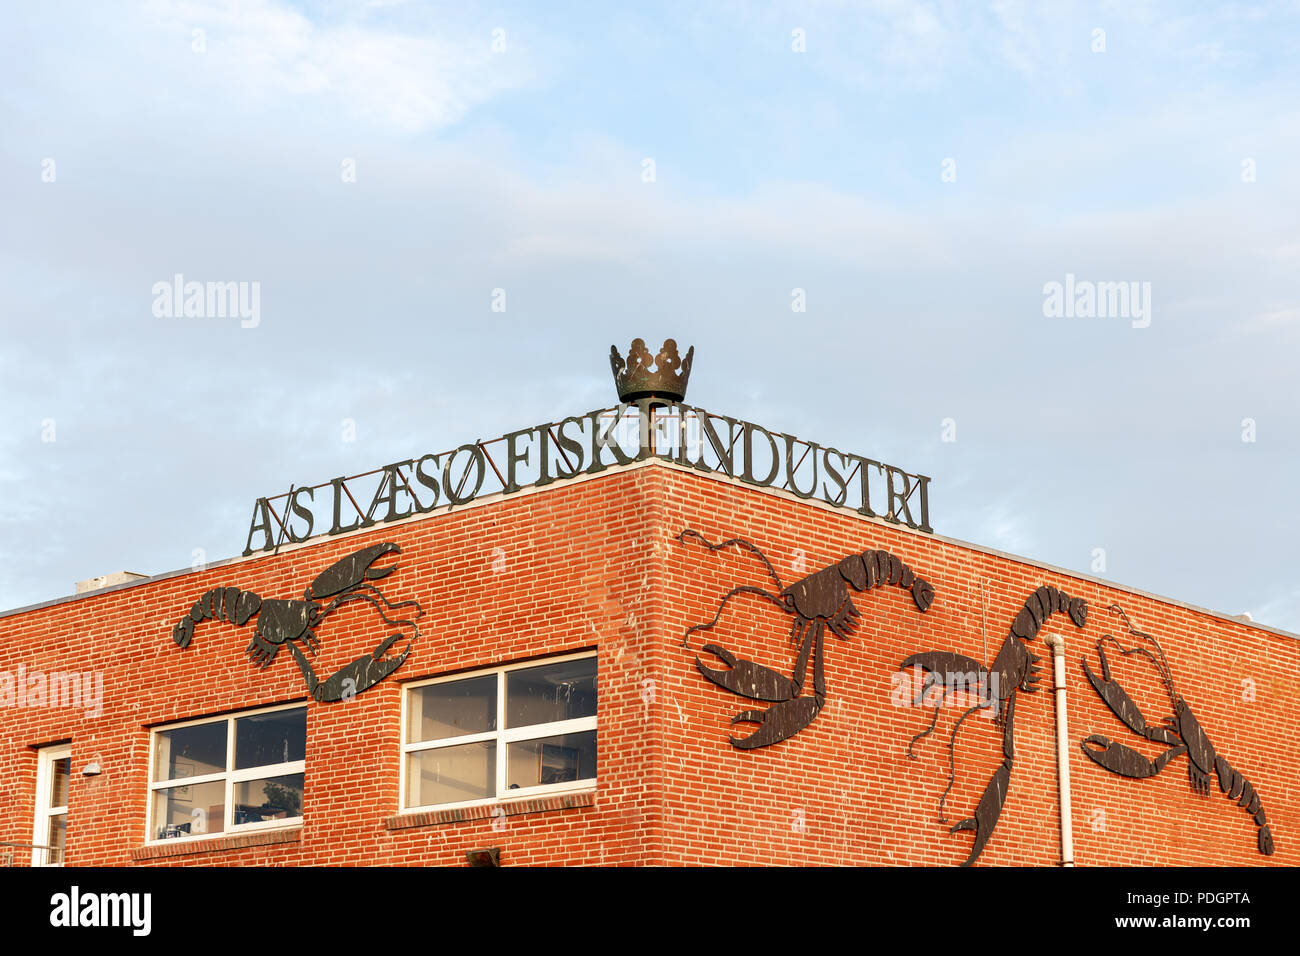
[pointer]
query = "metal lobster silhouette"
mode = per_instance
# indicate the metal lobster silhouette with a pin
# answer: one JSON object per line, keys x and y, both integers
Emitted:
{"x": 288, "y": 622}
{"x": 818, "y": 602}
{"x": 1182, "y": 731}
{"x": 1014, "y": 669}
{"x": 822, "y": 601}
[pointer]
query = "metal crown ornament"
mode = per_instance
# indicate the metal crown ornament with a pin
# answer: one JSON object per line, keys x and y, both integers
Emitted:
{"x": 634, "y": 379}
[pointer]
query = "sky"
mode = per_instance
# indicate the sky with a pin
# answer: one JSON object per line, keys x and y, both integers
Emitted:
{"x": 914, "y": 176}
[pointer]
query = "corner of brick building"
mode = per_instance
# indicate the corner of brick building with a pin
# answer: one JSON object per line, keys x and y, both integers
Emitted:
{"x": 598, "y": 564}
{"x": 844, "y": 790}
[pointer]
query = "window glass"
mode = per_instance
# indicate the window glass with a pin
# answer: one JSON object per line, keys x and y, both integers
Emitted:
{"x": 451, "y": 774}
{"x": 457, "y": 750}
{"x": 552, "y": 692}
{"x": 452, "y": 709}
{"x": 189, "y": 810}
{"x": 59, "y": 782}
{"x": 277, "y": 737}
{"x": 257, "y": 761}
{"x": 56, "y": 839}
{"x": 562, "y": 759}
{"x": 275, "y": 798}
{"x": 190, "y": 751}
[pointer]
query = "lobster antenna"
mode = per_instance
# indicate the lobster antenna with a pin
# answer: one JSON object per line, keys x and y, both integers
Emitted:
{"x": 1161, "y": 663}
{"x": 359, "y": 596}
{"x": 952, "y": 758}
{"x": 371, "y": 588}
{"x": 929, "y": 682}
{"x": 1155, "y": 662}
{"x": 743, "y": 589}
{"x": 736, "y": 541}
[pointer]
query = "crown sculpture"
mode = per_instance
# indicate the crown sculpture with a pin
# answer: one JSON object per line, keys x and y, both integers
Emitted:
{"x": 633, "y": 377}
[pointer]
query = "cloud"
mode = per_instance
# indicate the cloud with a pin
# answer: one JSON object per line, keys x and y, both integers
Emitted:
{"x": 368, "y": 65}
{"x": 477, "y": 171}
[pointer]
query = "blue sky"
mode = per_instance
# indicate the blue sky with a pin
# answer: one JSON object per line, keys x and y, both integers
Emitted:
{"x": 218, "y": 155}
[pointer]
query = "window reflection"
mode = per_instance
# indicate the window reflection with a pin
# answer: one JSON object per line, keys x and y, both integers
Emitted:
{"x": 275, "y": 798}
{"x": 258, "y": 758}
{"x": 277, "y": 737}
{"x": 189, "y": 810}
{"x": 451, "y": 774}
{"x": 56, "y": 839}
{"x": 59, "y": 782}
{"x": 541, "y": 695}
{"x": 452, "y": 709}
{"x": 518, "y": 713}
{"x": 190, "y": 751}
{"x": 561, "y": 759}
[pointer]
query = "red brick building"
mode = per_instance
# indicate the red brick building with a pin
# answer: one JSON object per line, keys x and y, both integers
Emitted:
{"x": 548, "y": 709}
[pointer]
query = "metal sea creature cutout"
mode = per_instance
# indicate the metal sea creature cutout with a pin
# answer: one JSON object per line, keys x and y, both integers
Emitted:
{"x": 817, "y": 603}
{"x": 1182, "y": 731}
{"x": 289, "y": 623}
{"x": 1014, "y": 669}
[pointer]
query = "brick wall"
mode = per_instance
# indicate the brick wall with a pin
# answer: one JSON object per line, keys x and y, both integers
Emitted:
{"x": 596, "y": 564}
{"x": 843, "y": 790}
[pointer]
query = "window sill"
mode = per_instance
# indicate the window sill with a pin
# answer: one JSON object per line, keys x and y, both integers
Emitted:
{"x": 429, "y": 818}
{"x": 239, "y": 841}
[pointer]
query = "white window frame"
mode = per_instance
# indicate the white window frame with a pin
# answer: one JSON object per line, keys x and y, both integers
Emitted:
{"x": 502, "y": 736}
{"x": 230, "y": 776}
{"x": 46, "y": 758}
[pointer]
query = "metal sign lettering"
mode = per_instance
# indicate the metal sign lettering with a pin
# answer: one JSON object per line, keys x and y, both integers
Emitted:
{"x": 650, "y": 427}
{"x": 289, "y": 622}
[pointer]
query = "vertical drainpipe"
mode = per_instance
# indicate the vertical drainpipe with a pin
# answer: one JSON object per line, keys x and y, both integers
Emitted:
{"x": 1057, "y": 644}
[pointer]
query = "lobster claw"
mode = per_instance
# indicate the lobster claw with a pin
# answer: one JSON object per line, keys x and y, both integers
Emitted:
{"x": 1126, "y": 761}
{"x": 779, "y": 722}
{"x": 183, "y": 633}
{"x": 362, "y": 674}
{"x": 349, "y": 572}
{"x": 747, "y": 678}
{"x": 987, "y": 811}
{"x": 1123, "y": 707}
{"x": 1265, "y": 841}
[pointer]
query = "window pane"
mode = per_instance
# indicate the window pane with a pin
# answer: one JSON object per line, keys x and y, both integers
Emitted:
{"x": 190, "y": 751}
{"x": 275, "y": 798}
{"x": 551, "y": 760}
{"x": 277, "y": 737}
{"x": 56, "y": 838}
{"x": 452, "y": 709}
{"x": 59, "y": 782}
{"x": 539, "y": 695}
{"x": 189, "y": 810}
{"x": 451, "y": 774}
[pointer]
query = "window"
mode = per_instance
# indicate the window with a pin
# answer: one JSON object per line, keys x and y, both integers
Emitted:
{"x": 521, "y": 730}
{"x": 52, "y": 771}
{"x": 231, "y": 774}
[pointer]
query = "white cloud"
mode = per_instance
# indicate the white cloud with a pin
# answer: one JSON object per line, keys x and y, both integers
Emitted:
{"x": 410, "y": 82}
{"x": 924, "y": 303}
